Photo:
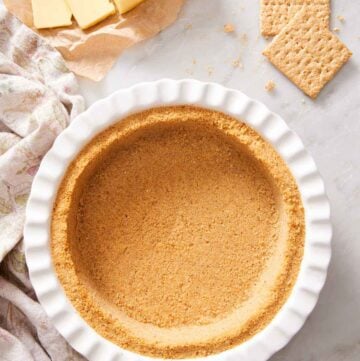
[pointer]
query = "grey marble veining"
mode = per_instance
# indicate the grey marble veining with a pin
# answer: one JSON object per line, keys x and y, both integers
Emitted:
{"x": 329, "y": 127}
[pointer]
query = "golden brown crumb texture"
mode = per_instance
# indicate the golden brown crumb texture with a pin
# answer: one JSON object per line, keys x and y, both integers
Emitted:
{"x": 178, "y": 232}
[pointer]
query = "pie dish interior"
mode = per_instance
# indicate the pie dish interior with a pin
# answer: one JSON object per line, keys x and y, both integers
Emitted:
{"x": 178, "y": 232}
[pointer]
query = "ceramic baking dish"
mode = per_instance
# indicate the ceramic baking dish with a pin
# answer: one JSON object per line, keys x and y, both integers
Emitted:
{"x": 119, "y": 105}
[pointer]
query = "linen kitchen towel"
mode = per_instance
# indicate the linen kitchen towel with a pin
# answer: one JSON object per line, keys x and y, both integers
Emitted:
{"x": 38, "y": 98}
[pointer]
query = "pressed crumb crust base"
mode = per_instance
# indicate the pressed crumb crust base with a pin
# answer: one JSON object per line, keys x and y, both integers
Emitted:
{"x": 178, "y": 232}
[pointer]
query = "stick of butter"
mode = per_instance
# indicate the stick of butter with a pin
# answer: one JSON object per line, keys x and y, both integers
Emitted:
{"x": 50, "y": 13}
{"x": 89, "y": 12}
{"x": 126, "y": 5}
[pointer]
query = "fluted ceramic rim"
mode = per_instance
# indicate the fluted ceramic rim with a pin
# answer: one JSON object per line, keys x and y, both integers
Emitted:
{"x": 122, "y": 103}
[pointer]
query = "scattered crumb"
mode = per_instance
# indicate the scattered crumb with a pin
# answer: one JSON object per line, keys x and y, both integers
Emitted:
{"x": 341, "y": 18}
{"x": 303, "y": 101}
{"x": 210, "y": 70}
{"x": 243, "y": 39}
{"x": 236, "y": 63}
{"x": 270, "y": 86}
{"x": 189, "y": 72}
{"x": 336, "y": 30}
{"x": 188, "y": 26}
{"x": 194, "y": 61}
{"x": 229, "y": 28}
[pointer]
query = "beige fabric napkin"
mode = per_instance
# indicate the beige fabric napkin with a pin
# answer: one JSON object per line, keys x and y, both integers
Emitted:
{"x": 38, "y": 98}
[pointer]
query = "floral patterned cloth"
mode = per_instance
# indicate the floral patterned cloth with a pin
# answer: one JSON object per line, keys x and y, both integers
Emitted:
{"x": 38, "y": 98}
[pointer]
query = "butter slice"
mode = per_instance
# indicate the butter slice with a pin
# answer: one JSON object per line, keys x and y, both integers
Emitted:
{"x": 50, "y": 13}
{"x": 89, "y": 12}
{"x": 126, "y": 5}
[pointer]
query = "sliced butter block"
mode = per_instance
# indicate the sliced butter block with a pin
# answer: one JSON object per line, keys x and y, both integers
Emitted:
{"x": 90, "y": 12}
{"x": 50, "y": 14}
{"x": 126, "y": 5}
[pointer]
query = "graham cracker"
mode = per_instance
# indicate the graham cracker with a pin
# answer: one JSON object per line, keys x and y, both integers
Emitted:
{"x": 307, "y": 52}
{"x": 275, "y": 14}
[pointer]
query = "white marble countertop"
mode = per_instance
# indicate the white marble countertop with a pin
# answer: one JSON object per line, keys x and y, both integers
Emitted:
{"x": 329, "y": 127}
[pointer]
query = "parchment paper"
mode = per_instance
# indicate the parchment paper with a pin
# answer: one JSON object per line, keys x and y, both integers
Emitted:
{"x": 91, "y": 53}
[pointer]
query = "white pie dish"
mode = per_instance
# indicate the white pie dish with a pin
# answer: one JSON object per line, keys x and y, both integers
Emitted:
{"x": 169, "y": 92}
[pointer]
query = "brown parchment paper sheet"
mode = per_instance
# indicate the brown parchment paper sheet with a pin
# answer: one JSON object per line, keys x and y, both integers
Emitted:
{"x": 91, "y": 53}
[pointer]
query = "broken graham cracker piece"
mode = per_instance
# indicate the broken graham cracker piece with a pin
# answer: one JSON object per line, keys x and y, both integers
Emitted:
{"x": 275, "y": 14}
{"x": 307, "y": 53}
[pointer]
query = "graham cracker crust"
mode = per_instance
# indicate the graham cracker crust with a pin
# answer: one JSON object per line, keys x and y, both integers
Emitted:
{"x": 178, "y": 232}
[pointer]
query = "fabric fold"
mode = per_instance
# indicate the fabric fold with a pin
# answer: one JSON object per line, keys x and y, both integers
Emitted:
{"x": 38, "y": 98}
